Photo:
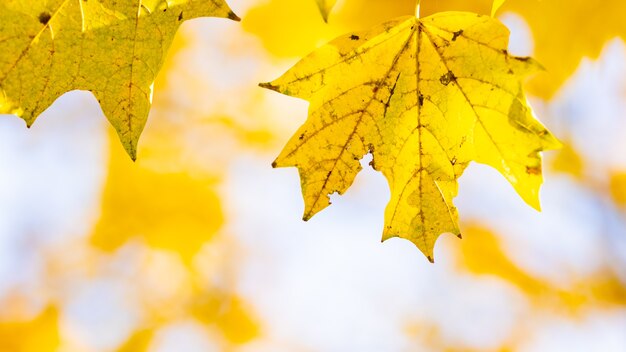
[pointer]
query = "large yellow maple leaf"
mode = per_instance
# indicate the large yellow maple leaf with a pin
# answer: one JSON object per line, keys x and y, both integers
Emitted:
{"x": 113, "y": 48}
{"x": 425, "y": 97}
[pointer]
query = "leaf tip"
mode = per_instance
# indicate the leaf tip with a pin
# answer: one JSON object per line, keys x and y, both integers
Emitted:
{"x": 310, "y": 211}
{"x": 269, "y": 86}
{"x": 554, "y": 144}
{"x": 496, "y": 6}
{"x": 532, "y": 200}
{"x": 532, "y": 64}
{"x": 234, "y": 17}
{"x": 431, "y": 259}
{"x": 132, "y": 152}
{"x": 274, "y": 164}
{"x": 536, "y": 206}
{"x": 325, "y": 15}
{"x": 28, "y": 120}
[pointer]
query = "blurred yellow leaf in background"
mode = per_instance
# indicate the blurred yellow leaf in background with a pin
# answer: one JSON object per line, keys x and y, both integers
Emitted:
{"x": 563, "y": 32}
{"x": 171, "y": 211}
{"x": 618, "y": 187}
{"x": 496, "y": 5}
{"x": 139, "y": 341}
{"x": 568, "y": 160}
{"x": 483, "y": 254}
{"x": 292, "y": 28}
{"x": 230, "y": 315}
{"x": 40, "y": 334}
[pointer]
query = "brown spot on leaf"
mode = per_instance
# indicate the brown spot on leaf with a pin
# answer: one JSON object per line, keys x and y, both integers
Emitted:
{"x": 44, "y": 18}
{"x": 533, "y": 170}
{"x": 447, "y": 78}
{"x": 456, "y": 34}
{"x": 355, "y": 37}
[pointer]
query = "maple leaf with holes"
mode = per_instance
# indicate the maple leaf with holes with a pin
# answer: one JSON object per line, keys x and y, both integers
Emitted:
{"x": 113, "y": 48}
{"x": 425, "y": 97}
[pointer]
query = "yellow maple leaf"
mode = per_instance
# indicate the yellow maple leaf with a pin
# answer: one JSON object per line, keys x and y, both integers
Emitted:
{"x": 112, "y": 48}
{"x": 425, "y": 97}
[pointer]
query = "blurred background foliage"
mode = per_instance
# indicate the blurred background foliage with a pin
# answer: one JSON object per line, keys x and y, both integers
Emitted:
{"x": 198, "y": 245}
